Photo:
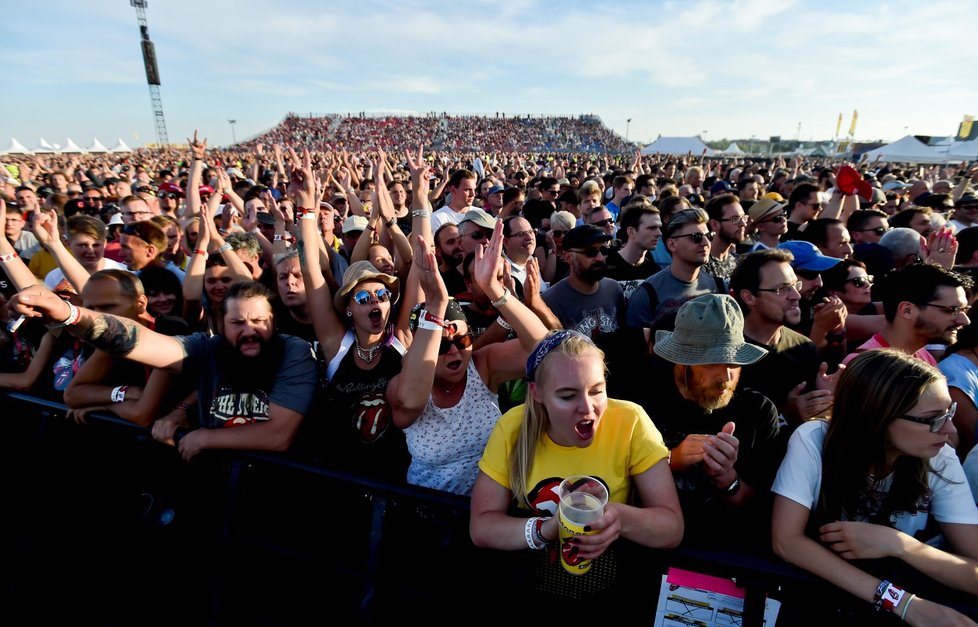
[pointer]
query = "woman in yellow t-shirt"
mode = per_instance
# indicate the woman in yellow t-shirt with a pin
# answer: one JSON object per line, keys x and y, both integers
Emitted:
{"x": 569, "y": 427}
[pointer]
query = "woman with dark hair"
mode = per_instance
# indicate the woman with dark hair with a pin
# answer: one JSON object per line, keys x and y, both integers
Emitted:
{"x": 164, "y": 292}
{"x": 862, "y": 486}
{"x": 850, "y": 281}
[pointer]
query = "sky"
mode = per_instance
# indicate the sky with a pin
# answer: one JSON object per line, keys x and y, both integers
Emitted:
{"x": 714, "y": 68}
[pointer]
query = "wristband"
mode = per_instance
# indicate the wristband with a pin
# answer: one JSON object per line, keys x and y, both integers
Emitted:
{"x": 529, "y": 534}
{"x": 223, "y": 249}
{"x": 73, "y": 315}
{"x": 504, "y": 324}
{"x": 308, "y": 215}
{"x": 119, "y": 393}
{"x": 278, "y": 237}
{"x": 502, "y": 299}
{"x": 223, "y": 231}
{"x": 420, "y": 213}
{"x": 903, "y": 614}
{"x": 203, "y": 253}
{"x": 538, "y": 530}
{"x": 892, "y": 597}
{"x": 430, "y": 321}
{"x": 8, "y": 257}
{"x": 371, "y": 228}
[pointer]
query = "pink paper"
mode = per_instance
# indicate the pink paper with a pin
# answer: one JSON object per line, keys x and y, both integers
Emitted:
{"x": 703, "y": 582}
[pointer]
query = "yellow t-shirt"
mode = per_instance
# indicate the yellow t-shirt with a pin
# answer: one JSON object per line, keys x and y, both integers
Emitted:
{"x": 625, "y": 444}
{"x": 42, "y": 263}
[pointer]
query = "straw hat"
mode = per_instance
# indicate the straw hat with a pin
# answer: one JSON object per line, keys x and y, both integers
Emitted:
{"x": 358, "y": 273}
{"x": 709, "y": 330}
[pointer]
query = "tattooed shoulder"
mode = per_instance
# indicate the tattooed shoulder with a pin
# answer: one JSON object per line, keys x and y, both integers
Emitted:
{"x": 112, "y": 334}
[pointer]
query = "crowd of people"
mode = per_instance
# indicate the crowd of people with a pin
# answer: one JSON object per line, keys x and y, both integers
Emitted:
{"x": 737, "y": 348}
{"x": 441, "y": 131}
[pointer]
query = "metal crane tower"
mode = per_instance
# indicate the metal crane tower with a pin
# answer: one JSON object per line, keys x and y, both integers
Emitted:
{"x": 152, "y": 72}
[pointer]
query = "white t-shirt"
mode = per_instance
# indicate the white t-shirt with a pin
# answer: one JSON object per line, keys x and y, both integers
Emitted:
{"x": 445, "y": 215}
{"x": 56, "y": 276}
{"x": 800, "y": 478}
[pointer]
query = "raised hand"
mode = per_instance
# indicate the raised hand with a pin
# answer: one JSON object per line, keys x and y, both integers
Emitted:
{"x": 197, "y": 147}
{"x": 489, "y": 268}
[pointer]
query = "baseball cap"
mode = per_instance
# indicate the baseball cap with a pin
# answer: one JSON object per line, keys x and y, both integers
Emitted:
{"x": 891, "y": 186}
{"x": 584, "y": 236}
{"x": 354, "y": 223}
{"x": 480, "y": 218}
{"x": 807, "y": 256}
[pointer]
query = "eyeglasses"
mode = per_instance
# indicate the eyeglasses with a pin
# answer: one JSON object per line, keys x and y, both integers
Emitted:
{"x": 697, "y": 237}
{"x": 170, "y": 195}
{"x": 603, "y": 223}
{"x": 861, "y": 281}
{"x": 135, "y": 214}
{"x": 879, "y": 230}
{"x": 591, "y": 253}
{"x": 461, "y": 342}
{"x": 741, "y": 219}
{"x": 935, "y": 422}
{"x": 362, "y": 297}
{"x": 526, "y": 233}
{"x": 949, "y": 310}
{"x": 781, "y": 289}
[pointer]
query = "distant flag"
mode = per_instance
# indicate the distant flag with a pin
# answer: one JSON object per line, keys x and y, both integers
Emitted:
{"x": 852, "y": 127}
{"x": 965, "y": 131}
{"x": 838, "y": 125}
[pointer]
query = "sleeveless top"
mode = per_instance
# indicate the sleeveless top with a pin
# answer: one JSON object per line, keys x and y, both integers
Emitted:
{"x": 360, "y": 435}
{"x": 446, "y": 443}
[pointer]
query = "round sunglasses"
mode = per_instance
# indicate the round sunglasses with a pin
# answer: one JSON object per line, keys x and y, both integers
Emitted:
{"x": 362, "y": 297}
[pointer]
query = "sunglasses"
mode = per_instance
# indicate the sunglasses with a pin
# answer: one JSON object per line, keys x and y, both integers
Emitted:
{"x": 591, "y": 253}
{"x": 461, "y": 342}
{"x": 808, "y": 275}
{"x": 93, "y": 199}
{"x": 780, "y": 217}
{"x": 478, "y": 235}
{"x": 935, "y": 422}
{"x": 556, "y": 233}
{"x": 861, "y": 281}
{"x": 362, "y": 297}
{"x": 170, "y": 195}
{"x": 879, "y": 230}
{"x": 697, "y": 237}
{"x": 604, "y": 222}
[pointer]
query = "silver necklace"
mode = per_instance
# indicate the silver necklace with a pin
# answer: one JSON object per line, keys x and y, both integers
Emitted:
{"x": 366, "y": 354}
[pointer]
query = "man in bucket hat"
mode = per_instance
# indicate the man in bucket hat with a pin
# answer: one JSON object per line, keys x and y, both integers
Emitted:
{"x": 725, "y": 443}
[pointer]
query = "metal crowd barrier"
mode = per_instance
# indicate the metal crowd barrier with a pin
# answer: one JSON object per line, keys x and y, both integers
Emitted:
{"x": 103, "y": 525}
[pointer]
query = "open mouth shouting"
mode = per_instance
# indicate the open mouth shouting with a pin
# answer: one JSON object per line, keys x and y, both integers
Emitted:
{"x": 584, "y": 429}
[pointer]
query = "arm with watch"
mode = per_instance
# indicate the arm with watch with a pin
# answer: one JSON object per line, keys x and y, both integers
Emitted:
{"x": 716, "y": 457}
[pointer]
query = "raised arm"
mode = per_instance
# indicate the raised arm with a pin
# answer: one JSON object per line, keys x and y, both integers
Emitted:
{"x": 408, "y": 392}
{"x": 46, "y": 230}
{"x": 197, "y": 151}
{"x": 17, "y": 271}
{"x": 112, "y": 334}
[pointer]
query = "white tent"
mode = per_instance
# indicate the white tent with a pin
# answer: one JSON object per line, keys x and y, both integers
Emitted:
{"x": 44, "y": 146}
{"x": 120, "y": 146}
{"x": 96, "y": 146}
{"x": 963, "y": 151}
{"x": 678, "y": 146}
{"x": 733, "y": 149}
{"x": 71, "y": 146}
{"x": 909, "y": 149}
{"x": 16, "y": 148}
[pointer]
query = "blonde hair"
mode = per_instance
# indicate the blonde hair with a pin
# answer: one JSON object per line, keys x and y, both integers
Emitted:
{"x": 536, "y": 420}
{"x": 562, "y": 219}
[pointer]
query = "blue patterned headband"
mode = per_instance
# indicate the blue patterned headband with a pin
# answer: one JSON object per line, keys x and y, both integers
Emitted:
{"x": 547, "y": 345}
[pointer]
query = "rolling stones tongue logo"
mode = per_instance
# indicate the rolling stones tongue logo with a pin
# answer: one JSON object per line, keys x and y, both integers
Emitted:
{"x": 371, "y": 416}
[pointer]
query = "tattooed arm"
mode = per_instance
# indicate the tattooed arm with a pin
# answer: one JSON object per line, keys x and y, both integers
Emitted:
{"x": 112, "y": 334}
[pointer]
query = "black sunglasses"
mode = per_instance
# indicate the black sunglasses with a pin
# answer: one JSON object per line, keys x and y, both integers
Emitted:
{"x": 591, "y": 253}
{"x": 478, "y": 235}
{"x": 461, "y": 342}
{"x": 170, "y": 195}
{"x": 879, "y": 230}
{"x": 557, "y": 233}
{"x": 604, "y": 222}
{"x": 861, "y": 281}
{"x": 697, "y": 237}
{"x": 808, "y": 275}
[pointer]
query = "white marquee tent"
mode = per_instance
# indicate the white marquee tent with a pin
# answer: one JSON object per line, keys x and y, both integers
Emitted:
{"x": 71, "y": 146}
{"x": 733, "y": 149}
{"x": 678, "y": 146}
{"x": 120, "y": 146}
{"x": 96, "y": 146}
{"x": 908, "y": 149}
{"x": 963, "y": 151}
{"x": 44, "y": 147}
{"x": 15, "y": 147}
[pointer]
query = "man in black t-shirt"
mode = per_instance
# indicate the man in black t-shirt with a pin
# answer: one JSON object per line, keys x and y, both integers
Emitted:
{"x": 640, "y": 228}
{"x": 725, "y": 444}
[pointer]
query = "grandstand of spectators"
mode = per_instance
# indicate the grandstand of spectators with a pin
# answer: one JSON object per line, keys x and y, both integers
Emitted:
{"x": 525, "y": 133}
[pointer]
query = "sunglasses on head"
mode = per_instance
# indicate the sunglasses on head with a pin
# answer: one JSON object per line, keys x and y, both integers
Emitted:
{"x": 861, "y": 281}
{"x": 362, "y": 297}
{"x": 461, "y": 342}
{"x": 591, "y": 253}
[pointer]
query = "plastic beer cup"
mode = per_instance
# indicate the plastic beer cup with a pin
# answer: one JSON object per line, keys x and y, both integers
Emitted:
{"x": 582, "y": 501}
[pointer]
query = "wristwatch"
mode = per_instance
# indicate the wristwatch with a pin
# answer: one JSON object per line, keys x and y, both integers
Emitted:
{"x": 733, "y": 488}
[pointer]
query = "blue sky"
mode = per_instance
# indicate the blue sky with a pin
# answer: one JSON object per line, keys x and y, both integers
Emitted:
{"x": 727, "y": 68}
